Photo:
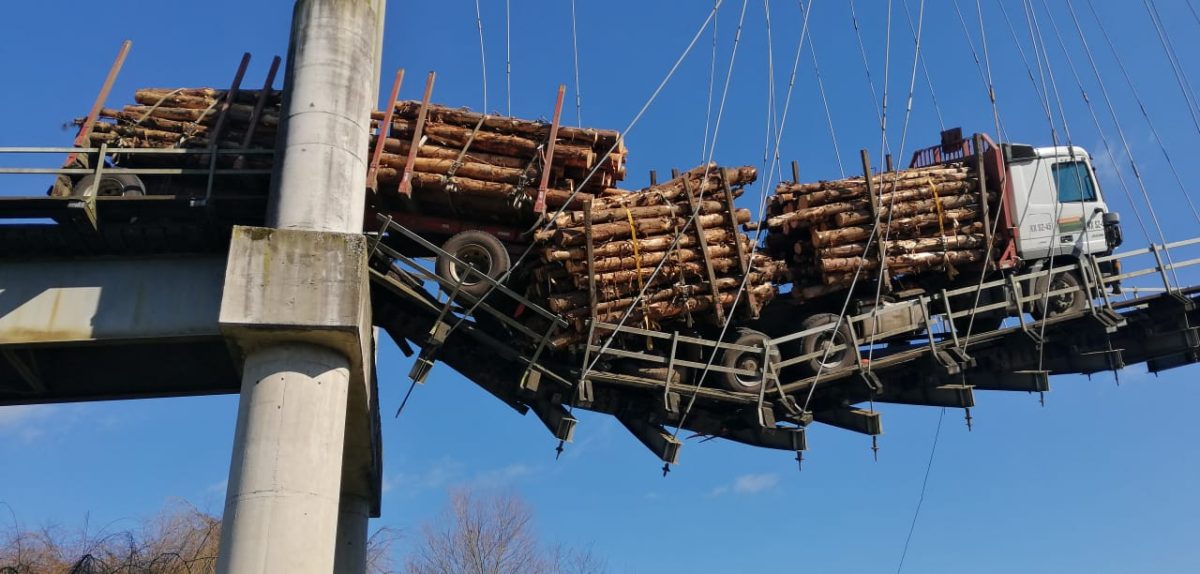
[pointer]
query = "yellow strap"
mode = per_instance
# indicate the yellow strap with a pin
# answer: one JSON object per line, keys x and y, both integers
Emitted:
{"x": 950, "y": 271}
{"x": 637, "y": 261}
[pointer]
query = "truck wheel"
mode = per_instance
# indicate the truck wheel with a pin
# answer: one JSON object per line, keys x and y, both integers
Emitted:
{"x": 1062, "y": 304}
{"x": 834, "y": 360}
{"x": 983, "y": 322}
{"x": 111, "y": 185}
{"x": 481, "y": 252}
{"x": 747, "y": 360}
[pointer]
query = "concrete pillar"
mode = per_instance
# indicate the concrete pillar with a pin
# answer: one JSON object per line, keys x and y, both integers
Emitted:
{"x": 281, "y": 508}
{"x": 285, "y": 481}
{"x": 351, "y": 554}
{"x": 331, "y": 81}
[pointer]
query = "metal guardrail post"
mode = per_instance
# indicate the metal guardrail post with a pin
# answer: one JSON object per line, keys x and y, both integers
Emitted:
{"x": 1158, "y": 265}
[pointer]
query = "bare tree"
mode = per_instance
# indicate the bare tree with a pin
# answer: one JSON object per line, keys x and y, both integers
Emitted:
{"x": 180, "y": 540}
{"x": 493, "y": 534}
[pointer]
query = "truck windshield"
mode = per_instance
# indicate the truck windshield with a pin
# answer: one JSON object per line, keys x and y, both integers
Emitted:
{"x": 1074, "y": 182}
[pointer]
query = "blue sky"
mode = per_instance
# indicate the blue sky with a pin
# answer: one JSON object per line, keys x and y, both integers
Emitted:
{"x": 1098, "y": 480}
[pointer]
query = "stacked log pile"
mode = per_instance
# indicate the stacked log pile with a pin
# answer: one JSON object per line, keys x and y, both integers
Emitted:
{"x": 477, "y": 164}
{"x": 629, "y": 236}
{"x": 467, "y": 164}
{"x": 187, "y": 118}
{"x": 930, "y": 216}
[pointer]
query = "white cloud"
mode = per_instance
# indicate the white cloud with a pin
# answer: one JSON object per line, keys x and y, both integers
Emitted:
{"x": 502, "y": 476}
{"x": 748, "y": 484}
{"x": 755, "y": 483}
{"x": 27, "y": 421}
{"x": 441, "y": 473}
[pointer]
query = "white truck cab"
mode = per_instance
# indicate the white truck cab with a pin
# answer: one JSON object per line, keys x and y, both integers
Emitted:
{"x": 1058, "y": 207}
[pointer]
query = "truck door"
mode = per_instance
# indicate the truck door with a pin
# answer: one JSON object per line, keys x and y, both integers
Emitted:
{"x": 1080, "y": 224}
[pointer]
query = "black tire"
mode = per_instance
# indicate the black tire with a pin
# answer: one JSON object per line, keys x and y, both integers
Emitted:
{"x": 111, "y": 185}
{"x": 834, "y": 360}
{"x": 752, "y": 361}
{"x": 983, "y": 322}
{"x": 479, "y": 249}
{"x": 1058, "y": 305}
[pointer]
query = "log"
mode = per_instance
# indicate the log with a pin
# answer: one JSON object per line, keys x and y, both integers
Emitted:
{"x": 202, "y": 97}
{"x": 902, "y": 263}
{"x": 457, "y": 136}
{"x": 575, "y": 218}
{"x": 666, "y": 309}
{"x": 880, "y": 180}
{"x": 720, "y": 265}
{"x": 563, "y": 302}
{"x": 901, "y": 228}
{"x": 644, "y": 245}
{"x": 594, "y": 138}
{"x": 910, "y": 208}
{"x": 670, "y": 191}
{"x": 859, "y": 190}
{"x": 852, "y": 203}
{"x": 439, "y": 182}
{"x": 644, "y": 227}
{"x": 236, "y": 113}
{"x": 920, "y": 245}
{"x": 479, "y": 171}
{"x": 650, "y": 259}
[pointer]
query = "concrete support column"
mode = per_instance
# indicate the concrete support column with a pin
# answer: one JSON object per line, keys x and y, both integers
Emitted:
{"x": 351, "y": 554}
{"x": 281, "y": 509}
{"x": 295, "y": 295}
{"x": 331, "y": 85}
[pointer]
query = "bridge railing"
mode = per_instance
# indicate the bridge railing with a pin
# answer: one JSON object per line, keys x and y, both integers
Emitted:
{"x": 99, "y": 157}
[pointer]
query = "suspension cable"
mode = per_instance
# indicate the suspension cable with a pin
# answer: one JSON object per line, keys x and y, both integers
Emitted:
{"x": 575, "y": 53}
{"x": 887, "y": 68}
{"x": 1185, "y": 85}
{"x": 812, "y": 49}
{"x": 758, "y": 232}
{"x": 937, "y": 108}
{"x": 924, "y": 484}
{"x": 1043, "y": 100}
{"x": 508, "y": 57}
{"x": 482, "y": 55}
{"x": 987, "y": 64}
{"x": 549, "y": 221}
{"x": 1142, "y": 106}
{"x": 862, "y": 50}
{"x": 771, "y": 118}
{"x": 974, "y": 53}
{"x": 1096, "y": 121}
{"x": 887, "y": 230}
{"x": 675, "y": 242}
{"x": 1120, "y": 131}
{"x": 712, "y": 77}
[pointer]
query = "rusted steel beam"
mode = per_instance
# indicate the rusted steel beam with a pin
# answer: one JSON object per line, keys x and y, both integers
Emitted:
{"x": 261, "y": 103}
{"x": 539, "y": 205}
{"x": 406, "y": 179}
{"x": 385, "y": 127}
{"x": 85, "y": 129}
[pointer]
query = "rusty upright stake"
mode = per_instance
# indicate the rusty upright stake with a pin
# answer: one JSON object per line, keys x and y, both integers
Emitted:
{"x": 539, "y": 206}
{"x": 406, "y": 179}
{"x": 385, "y": 127}
{"x": 261, "y": 103}
{"x": 85, "y": 129}
{"x": 214, "y": 137}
